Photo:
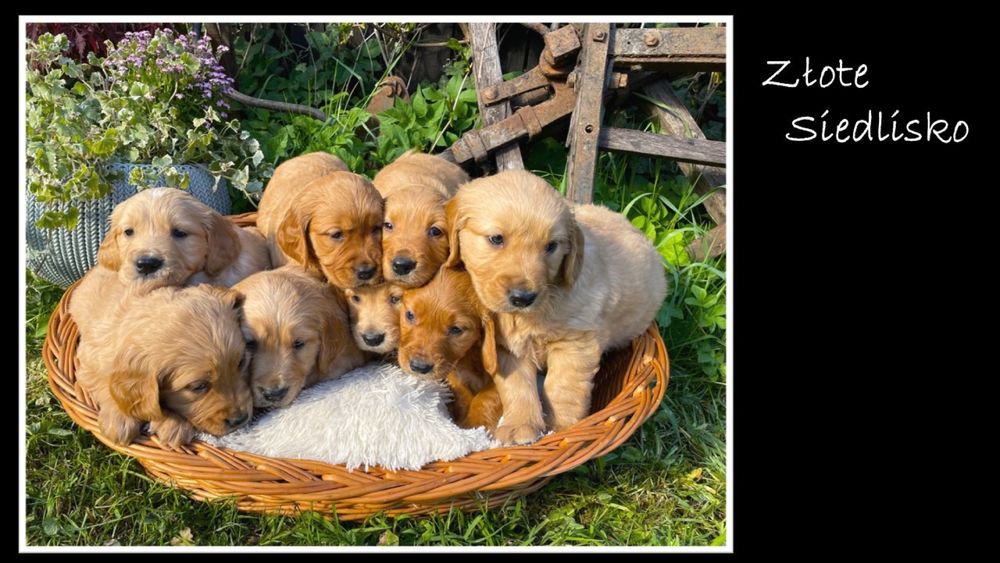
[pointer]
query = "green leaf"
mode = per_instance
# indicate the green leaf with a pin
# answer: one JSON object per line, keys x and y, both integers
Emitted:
{"x": 60, "y": 432}
{"x": 419, "y": 105}
{"x": 162, "y": 161}
{"x": 72, "y": 217}
{"x": 699, "y": 292}
{"x": 388, "y": 538}
{"x": 50, "y": 526}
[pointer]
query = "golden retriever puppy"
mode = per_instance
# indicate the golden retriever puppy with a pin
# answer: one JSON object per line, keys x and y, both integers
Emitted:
{"x": 254, "y": 257}
{"x": 165, "y": 237}
{"x": 317, "y": 214}
{"x": 175, "y": 357}
{"x": 566, "y": 283}
{"x": 297, "y": 328}
{"x": 415, "y": 188}
{"x": 446, "y": 333}
{"x": 375, "y": 317}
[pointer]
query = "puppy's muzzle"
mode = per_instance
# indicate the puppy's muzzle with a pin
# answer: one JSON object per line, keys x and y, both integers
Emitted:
{"x": 421, "y": 366}
{"x": 373, "y": 339}
{"x": 521, "y": 298}
{"x": 402, "y": 265}
{"x": 365, "y": 272}
{"x": 274, "y": 395}
{"x": 238, "y": 420}
{"x": 146, "y": 265}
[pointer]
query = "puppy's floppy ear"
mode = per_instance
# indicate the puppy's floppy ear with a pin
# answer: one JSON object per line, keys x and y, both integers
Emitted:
{"x": 572, "y": 263}
{"x": 137, "y": 393}
{"x": 455, "y": 219}
{"x": 336, "y": 336}
{"x": 108, "y": 255}
{"x": 235, "y": 299}
{"x": 489, "y": 338}
{"x": 293, "y": 236}
{"x": 232, "y": 297}
{"x": 223, "y": 243}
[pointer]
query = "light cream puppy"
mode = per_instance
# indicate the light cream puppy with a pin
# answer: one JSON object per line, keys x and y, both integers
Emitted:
{"x": 566, "y": 283}
{"x": 165, "y": 237}
{"x": 298, "y": 329}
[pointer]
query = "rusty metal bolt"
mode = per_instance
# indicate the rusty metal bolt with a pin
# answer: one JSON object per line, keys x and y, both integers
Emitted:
{"x": 489, "y": 94}
{"x": 571, "y": 79}
{"x": 619, "y": 80}
{"x": 651, "y": 38}
{"x": 600, "y": 36}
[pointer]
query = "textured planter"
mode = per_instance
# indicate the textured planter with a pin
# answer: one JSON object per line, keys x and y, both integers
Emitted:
{"x": 62, "y": 256}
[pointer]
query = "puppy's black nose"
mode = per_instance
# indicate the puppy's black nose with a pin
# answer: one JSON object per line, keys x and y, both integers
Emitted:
{"x": 365, "y": 272}
{"x": 275, "y": 395}
{"x": 402, "y": 265}
{"x": 420, "y": 366}
{"x": 521, "y": 298}
{"x": 234, "y": 422}
{"x": 373, "y": 339}
{"x": 148, "y": 264}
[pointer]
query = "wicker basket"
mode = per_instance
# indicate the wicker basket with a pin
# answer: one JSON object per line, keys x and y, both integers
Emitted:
{"x": 628, "y": 389}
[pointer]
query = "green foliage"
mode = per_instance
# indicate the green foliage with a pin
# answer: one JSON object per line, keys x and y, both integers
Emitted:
{"x": 155, "y": 98}
{"x": 433, "y": 120}
{"x": 337, "y": 78}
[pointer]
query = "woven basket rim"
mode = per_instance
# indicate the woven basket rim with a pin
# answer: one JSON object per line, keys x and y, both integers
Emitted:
{"x": 290, "y": 486}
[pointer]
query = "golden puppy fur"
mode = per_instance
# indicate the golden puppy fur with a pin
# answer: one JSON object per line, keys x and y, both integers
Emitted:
{"x": 566, "y": 284}
{"x": 446, "y": 333}
{"x": 172, "y": 356}
{"x": 375, "y": 317}
{"x": 297, "y": 327}
{"x": 190, "y": 241}
{"x": 317, "y": 214}
{"x": 415, "y": 188}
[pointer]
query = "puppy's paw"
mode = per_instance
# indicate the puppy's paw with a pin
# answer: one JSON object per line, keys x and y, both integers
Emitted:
{"x": 118, "y": 427}
{"x": 557, "y": 423}
{"x": 172, "y": 431}
{"x": 518, "y": 433}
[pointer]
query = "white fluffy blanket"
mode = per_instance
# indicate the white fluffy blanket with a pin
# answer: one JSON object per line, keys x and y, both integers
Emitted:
{"x": 374, "y": 415}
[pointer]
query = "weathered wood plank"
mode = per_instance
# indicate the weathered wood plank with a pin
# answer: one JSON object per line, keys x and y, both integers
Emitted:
{"x": 593, "y": 72}
{"x": 698, "y": 151}
{"x": 676, "y": 120}
{"x": 475, "y": 144}
{"x": 486, "y": 66}
{"x": 702, "y": 48}
{"x": 710, "y": 245}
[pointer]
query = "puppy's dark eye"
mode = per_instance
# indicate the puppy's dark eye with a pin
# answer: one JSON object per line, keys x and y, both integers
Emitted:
{"x": 356, "y": 299}
{"x": 455, "y": 330}
{"x": 410, "y": 316}
{"x": 434, "y": 232}
{"x": 200, "y": 386}
{"x": 551, "y": 247}
{"x": 393, "y": 299}
{"x": 177, "y": 233}
{"x": 251, "y": 345}
{"x": 298, "y": 344}
{"x": 495, "y": 240}
{"x": 387, "y": 226}
{"x": 337, "y": 235}
{"x": 128, "y": 232}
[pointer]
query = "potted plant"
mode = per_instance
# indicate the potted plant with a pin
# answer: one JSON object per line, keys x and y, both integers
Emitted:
{"x": 150, "y": 113}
